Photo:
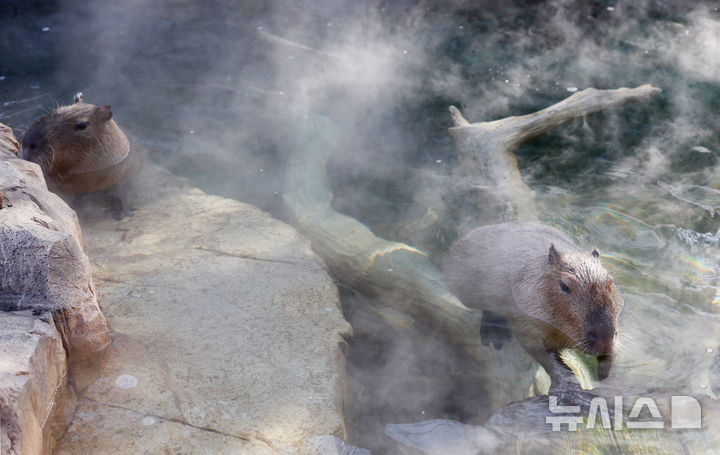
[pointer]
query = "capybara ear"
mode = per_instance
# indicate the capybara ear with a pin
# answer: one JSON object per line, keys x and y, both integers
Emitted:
{"x": 554, "y": 256}
{"x": 104, "y": 112}
{"x": 78, "y": 98}
{"x": 595, "y": 253}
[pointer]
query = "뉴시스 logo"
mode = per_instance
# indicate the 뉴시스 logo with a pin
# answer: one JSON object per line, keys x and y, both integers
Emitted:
{"x": 685, "y": 414}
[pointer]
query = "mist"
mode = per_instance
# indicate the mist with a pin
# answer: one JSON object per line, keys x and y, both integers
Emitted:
{"x": 210, "y": 89}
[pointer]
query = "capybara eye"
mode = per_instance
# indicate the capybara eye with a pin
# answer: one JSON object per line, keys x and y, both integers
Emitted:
{"x": 81, "y": 126}
{"x": 564, "y": 288}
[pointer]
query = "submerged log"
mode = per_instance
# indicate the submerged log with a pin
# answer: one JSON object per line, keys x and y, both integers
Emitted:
{"x": 486, "y": 149}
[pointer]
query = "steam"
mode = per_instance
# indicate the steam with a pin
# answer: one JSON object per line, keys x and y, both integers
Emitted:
{"x": 211, "y": 87}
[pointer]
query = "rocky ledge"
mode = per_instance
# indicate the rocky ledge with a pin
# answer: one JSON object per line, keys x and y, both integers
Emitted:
{"x": 227, "y": 332}
{"x": 228, "y": 335}
{"x": 50, "y": 314}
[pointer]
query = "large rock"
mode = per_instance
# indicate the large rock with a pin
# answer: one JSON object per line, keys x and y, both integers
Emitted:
{"x": 47, "y": 297}
{"x": 44, "y": 267}
{"x": 32, "y": 372}
{"x": 228, "y": 335}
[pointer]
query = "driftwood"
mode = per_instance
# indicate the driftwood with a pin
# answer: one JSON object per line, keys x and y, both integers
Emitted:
{"x": 402, "y": 276}
{"x": 394, "y": 273}
{"x": 486, "y": 149}
{"x": 367, "y": 263}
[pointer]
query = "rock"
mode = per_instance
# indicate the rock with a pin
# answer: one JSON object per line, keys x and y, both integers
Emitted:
{"x": 8, "y": 144}
{"x": 436, "y": 437}
{"x": 98, "y": 428}
{"x": 50, "y": 313}
{"x": 32, "y": 369}
{"x": 330, "y": 445}
{"x": 228, "y": 333}
{"x": 43, "y": 264}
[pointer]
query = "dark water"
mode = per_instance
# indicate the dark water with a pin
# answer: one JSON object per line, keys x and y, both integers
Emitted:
{"x": 209, "y": 86}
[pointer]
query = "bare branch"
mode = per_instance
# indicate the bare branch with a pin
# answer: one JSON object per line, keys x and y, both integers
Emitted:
{"x": 486, "y": 149}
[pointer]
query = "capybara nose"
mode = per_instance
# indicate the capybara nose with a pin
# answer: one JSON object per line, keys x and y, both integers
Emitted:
{"x": 30, "y": 144}
{"x": 29, "y": 150}
{"x": 592, "y": 337}
{"x": 600, "y": 339}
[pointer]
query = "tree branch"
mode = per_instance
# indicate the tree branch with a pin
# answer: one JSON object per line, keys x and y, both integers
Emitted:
{"x": 486, "y": 149}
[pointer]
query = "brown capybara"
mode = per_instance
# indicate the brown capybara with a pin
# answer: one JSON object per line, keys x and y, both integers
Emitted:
{"x": 80, "y": 148}
{"x": 553, "y": 295}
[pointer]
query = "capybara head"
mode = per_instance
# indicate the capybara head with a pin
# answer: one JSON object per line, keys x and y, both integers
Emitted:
{"x": 584, "y": 300}
{"x": 74, "y": 139}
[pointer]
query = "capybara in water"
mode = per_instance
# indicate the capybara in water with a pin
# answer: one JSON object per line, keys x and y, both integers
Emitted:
{"x": 80, "y": 148}
{"x": 554, "y": 295}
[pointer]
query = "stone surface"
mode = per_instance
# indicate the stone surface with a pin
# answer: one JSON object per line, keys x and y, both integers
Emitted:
{"x": 227, "y": 330}
{"x": 32, "y": 369}
{"x": 43, "y": 266}
{"x": 48, "y": 302}
{"x": 136, "y": 433}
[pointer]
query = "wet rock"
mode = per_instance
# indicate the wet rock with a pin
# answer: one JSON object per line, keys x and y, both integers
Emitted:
{"x": 227, "y": 330}
{"x": 47, "y": 296}
{"x": 330, "y": 445}
{"x": 445, "y": 436}
{"x": 531, "y": 427}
